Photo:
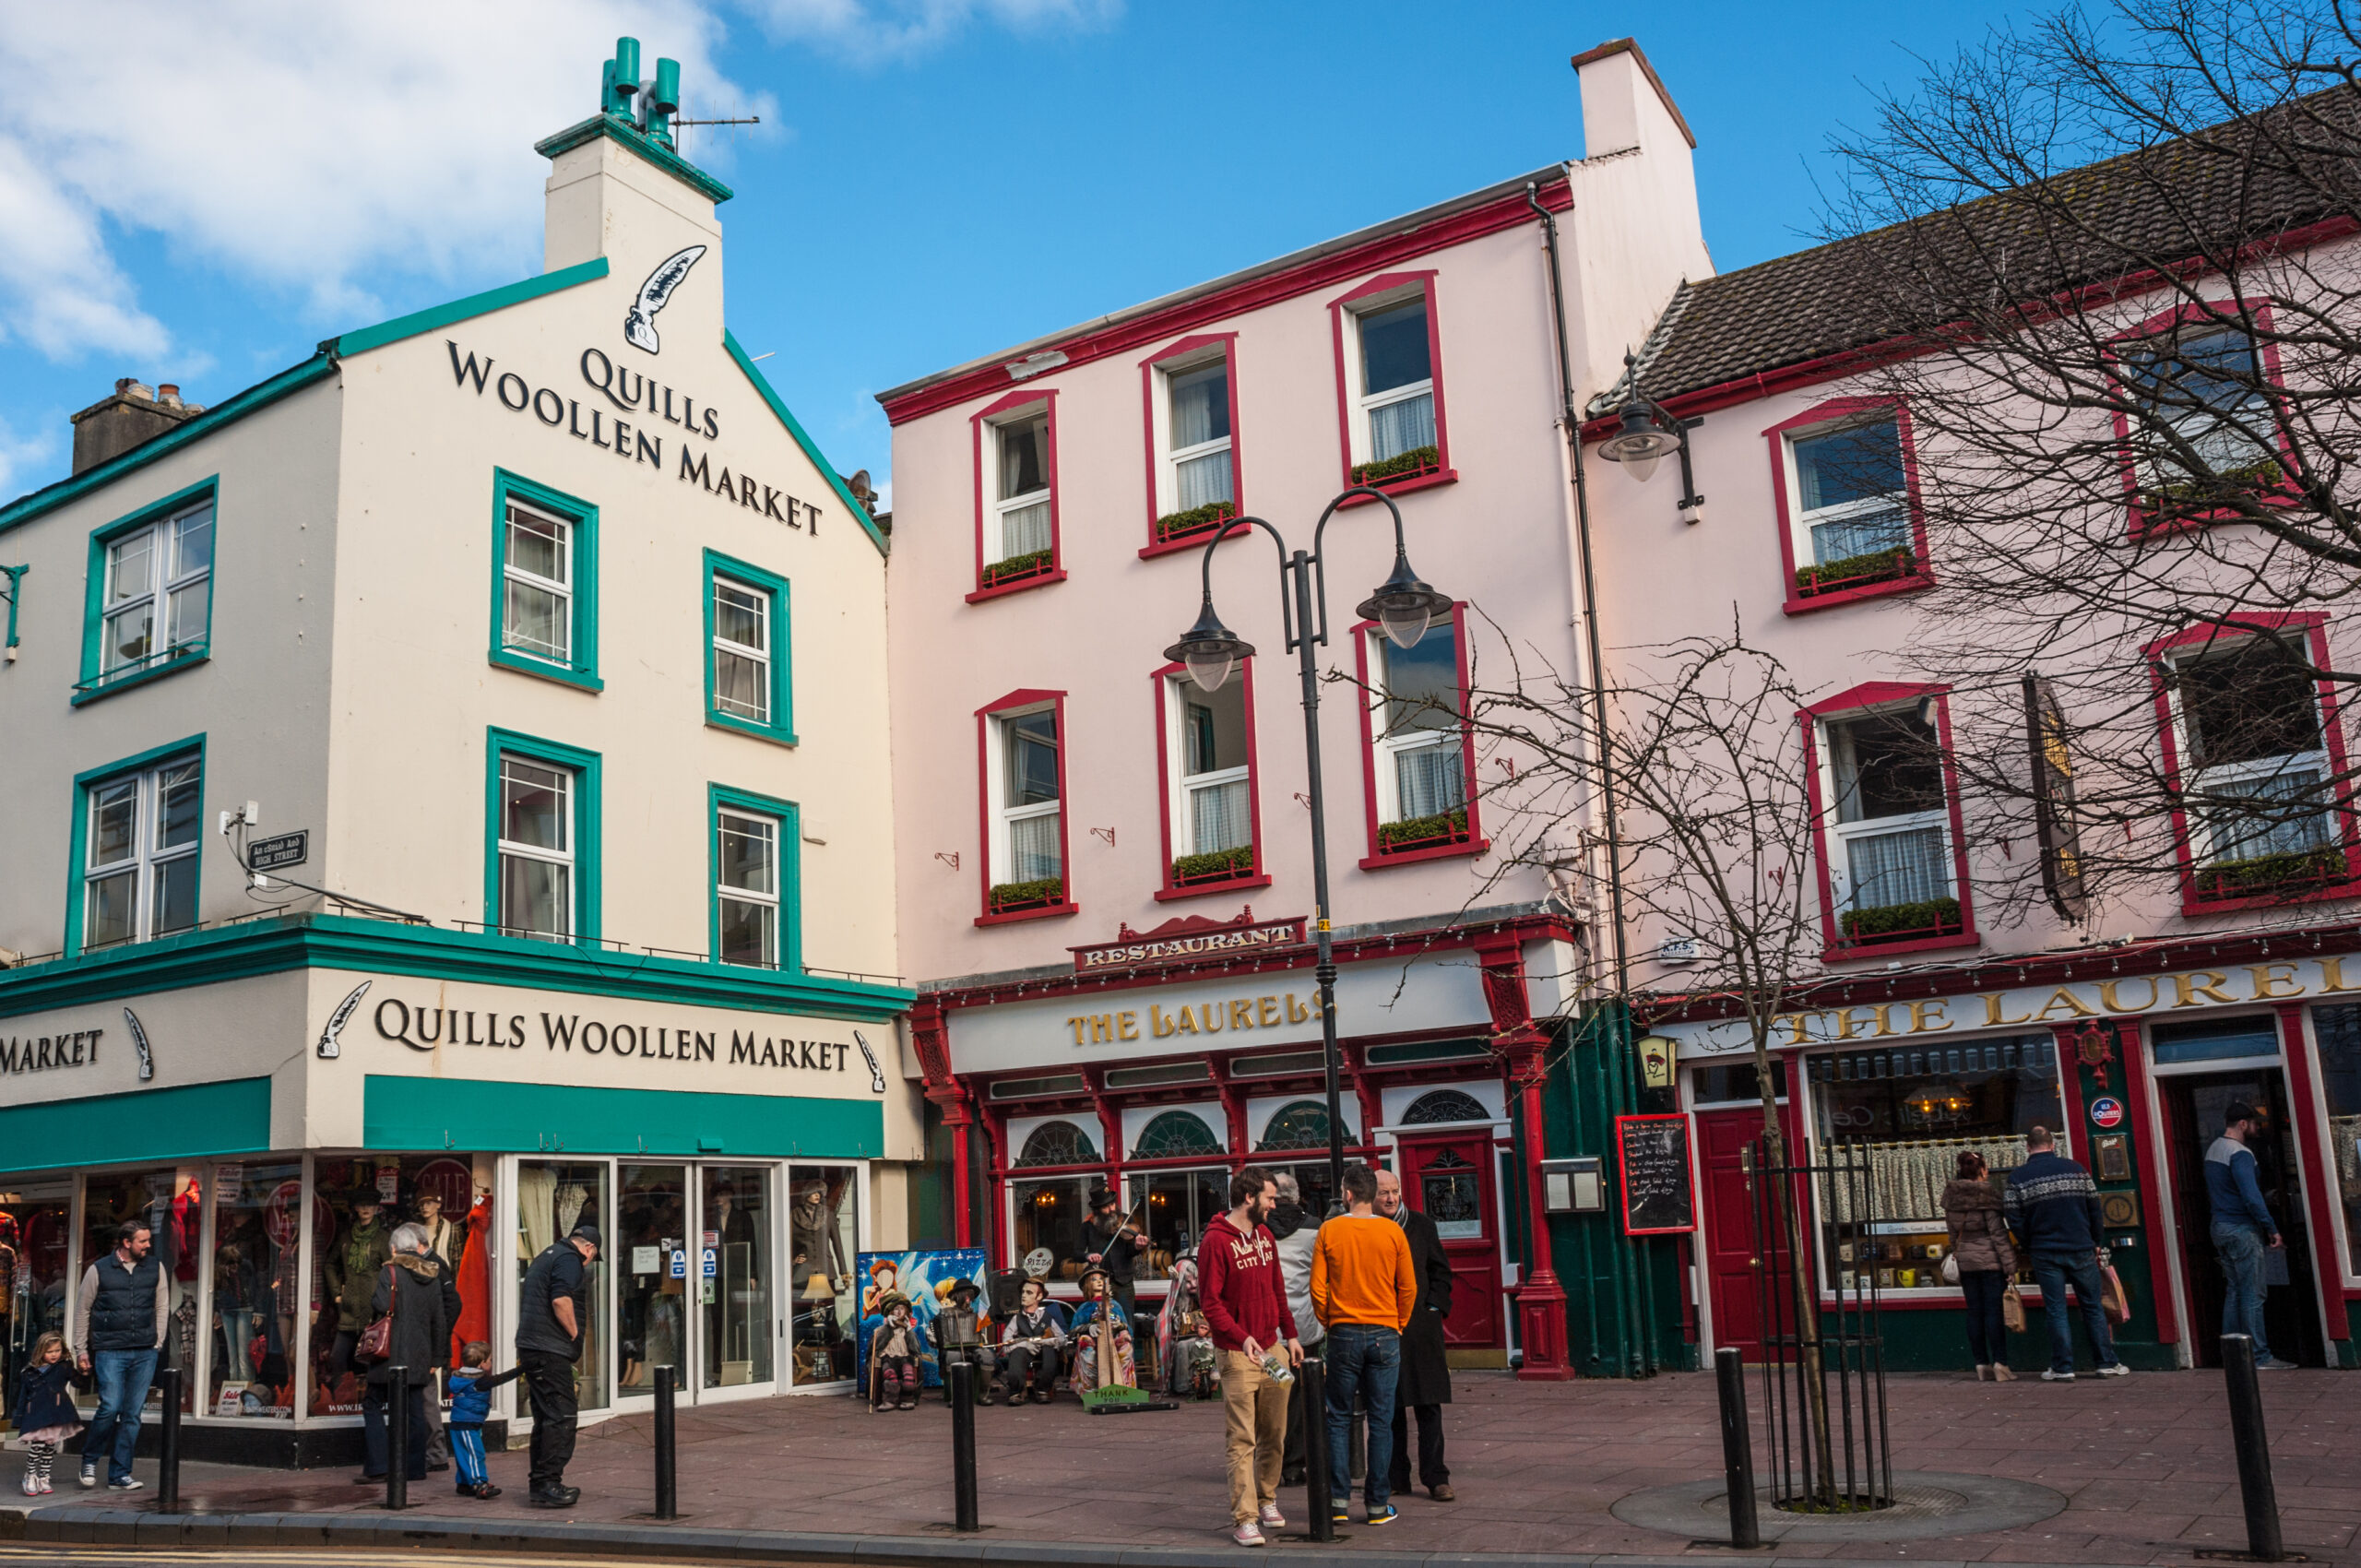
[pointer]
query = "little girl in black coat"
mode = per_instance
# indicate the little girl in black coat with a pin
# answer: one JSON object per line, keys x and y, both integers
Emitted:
{"x": 44, "y": 1416}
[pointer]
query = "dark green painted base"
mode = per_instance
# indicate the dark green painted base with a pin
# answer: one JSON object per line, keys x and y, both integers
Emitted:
{"x": 269, "y": 1445}
{"x": 1933, "y": 1340}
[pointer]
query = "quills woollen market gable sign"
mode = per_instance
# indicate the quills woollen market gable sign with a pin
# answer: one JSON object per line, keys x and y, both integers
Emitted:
{"x": 1186, "y": 940}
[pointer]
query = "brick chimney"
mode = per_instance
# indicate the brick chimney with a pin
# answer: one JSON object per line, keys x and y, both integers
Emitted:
{"x": 134, "y": 414}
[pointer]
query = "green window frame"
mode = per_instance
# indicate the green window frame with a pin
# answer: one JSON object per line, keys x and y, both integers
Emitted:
{"x": 583, "y": 848}
{"x": 767, "y": 592}
{"x": 576, "y": 583}
{"x": 78, "y": 878}
{"x": 787, "y": 946}
{"x": 168, "y": 583}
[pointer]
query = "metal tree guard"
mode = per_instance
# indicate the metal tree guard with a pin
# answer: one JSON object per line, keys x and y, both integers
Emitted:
{"x": 1824, "y": 1367}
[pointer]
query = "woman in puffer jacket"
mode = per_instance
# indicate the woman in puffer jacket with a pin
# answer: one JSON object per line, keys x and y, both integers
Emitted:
{"x": 1987, "y": 1262}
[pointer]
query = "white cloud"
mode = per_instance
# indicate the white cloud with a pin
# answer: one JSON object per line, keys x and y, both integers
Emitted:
{"x": 872, "y": 31}
{"x": 17, "y": 456}
{"x": 297, "y": 146}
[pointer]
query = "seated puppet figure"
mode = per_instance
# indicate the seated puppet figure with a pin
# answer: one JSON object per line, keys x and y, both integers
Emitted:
{"x": 1031, "y": 1347}
{"x": 961, "y": 1335}
{"x": 1102, "y": 1336}
{"x": 896, "y": 1346}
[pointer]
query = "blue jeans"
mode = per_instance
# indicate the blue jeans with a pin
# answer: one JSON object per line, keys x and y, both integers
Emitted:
{"x": 2239, "y": 1248}
{"x": 124, "y": 1377}
{"x": 1366, "y": 1360}
{"x": 2052, "y": 1271}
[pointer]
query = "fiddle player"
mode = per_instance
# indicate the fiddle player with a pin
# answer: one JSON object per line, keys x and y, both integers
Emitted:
{"x": 1111, "y": 1242}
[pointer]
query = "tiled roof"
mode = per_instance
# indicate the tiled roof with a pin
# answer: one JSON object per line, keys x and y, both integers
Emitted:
{"x": 2084, "y": 226}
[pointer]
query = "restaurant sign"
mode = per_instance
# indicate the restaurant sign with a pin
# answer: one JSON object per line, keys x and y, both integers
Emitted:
{"x": 1186, "y": 940}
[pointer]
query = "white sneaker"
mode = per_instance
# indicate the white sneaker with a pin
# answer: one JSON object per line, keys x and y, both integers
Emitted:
{"x": 2115, "y": 1369}
{"x": 2056, "y": 1377}
{"x": 128, "y": 1484}
{"x": 32, "y": 1486}
{"x": 89, "y": 1472}
{"x": 1271, "y": 1519}
{"x": 1247, "y": 1533}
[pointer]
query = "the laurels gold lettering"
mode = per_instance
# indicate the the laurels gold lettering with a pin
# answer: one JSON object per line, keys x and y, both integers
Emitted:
{"x": 2143, "y": 993}
{"x": 1236, "y": 1014}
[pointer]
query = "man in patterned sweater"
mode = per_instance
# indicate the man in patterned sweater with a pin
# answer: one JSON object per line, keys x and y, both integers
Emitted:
{"x": 2053, "y": 1208}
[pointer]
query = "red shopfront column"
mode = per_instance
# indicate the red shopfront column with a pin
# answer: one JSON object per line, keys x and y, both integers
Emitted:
{"x": 2318, "y": 1162}
{"x": 929, "y": 1039}
{"x": 1540, "y": 1299}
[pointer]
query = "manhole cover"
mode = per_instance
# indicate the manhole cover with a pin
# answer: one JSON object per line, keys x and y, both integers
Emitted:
{"x": 1925, "y": 1505}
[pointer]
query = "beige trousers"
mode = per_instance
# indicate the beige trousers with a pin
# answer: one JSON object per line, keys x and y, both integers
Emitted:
{"x": 1254, "y": 1408}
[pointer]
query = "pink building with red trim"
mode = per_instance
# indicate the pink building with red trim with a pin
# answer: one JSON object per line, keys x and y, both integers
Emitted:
{"x": 1104, "y": 869}
{"x": 1939, "y": 1027}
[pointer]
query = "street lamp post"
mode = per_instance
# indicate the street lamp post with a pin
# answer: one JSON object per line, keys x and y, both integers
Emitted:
{"x": 1404, "y": 606}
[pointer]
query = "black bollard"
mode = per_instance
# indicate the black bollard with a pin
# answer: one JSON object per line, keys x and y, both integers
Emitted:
{"x": 397, "y": 1437}
{"x": 168, "y": 1459}
{"x": 1317, "y": 1498}
{"x": 668, "y": 1479}
{"x": 961, "y": 1375}
{"x": 1738, "y": 1449}
{"x": 2254, "y": 1449}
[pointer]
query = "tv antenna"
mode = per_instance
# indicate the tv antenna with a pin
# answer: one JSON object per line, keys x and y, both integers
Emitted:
{"x": 680, "y": 125}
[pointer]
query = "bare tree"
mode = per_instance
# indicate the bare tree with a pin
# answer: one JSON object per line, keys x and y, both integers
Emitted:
{"x": 2105, "y": 264}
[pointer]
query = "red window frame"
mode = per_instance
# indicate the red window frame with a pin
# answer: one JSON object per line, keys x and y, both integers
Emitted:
{"x": 2314, "y": 626}
{"x": 977, "y": 423}
{"x": 1254, "y": 876}
{"x": 1023, "y": 697}
{"x": 1148, "y": 368}
{"x": 1787, "y": 502}
{"x": 1467, "y": 843}
{"x": 1348, "y": 401}
{"x": 1836, "y": 948}
{"x": 2212, "y": 313}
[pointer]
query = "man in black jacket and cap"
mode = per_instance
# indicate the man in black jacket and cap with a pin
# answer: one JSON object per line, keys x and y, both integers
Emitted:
{"x": 549, "y": 1316}
{"x": 1426, "y": 1375}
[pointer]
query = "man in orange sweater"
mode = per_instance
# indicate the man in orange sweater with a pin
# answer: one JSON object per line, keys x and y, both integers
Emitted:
{"x": 1363, "y": 1288}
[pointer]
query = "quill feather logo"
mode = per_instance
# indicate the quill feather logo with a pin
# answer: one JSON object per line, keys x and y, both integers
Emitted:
{"x": 876, "y": 1073}
{"x": 139, "y": 1043}
{"x": 639, "y": 322}
{"x": 337, "y": 1019}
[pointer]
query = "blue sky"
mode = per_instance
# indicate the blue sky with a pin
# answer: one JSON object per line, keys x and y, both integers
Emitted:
{"x": 202, "y": 198}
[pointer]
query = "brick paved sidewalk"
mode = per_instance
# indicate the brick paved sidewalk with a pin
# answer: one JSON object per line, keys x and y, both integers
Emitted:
{"x": 2145, "y": 1462}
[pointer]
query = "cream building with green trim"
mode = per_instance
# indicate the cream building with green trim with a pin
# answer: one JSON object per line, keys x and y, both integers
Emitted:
{"x": 545, "y": 624}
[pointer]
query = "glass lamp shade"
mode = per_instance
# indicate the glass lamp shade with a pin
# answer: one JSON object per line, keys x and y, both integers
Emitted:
{"x": 1209, "y": 650}
{"x": 1403, "y": 606}
{"x": 1641, "y": 443}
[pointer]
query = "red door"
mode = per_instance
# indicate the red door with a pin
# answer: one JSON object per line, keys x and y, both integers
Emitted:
{"x": 1450, "y": 1180}
{"x": 1729, "y": 1227}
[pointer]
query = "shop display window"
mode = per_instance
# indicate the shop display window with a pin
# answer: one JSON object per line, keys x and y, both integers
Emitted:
{"x": 1300, "y": 1125}
{"x": 1049, "y": 1212}
{"x": 652, "y": 1269}
{"x": 170, "y": 1201}
{"x": 36, "y": 1226}
{"x": 357, "y": 1203}
{"x": 822, "y": 1242}
{"x": 552, "y": 1196}
{"x": 2338, "y": 1029}
{"x": 1173, "y": 1207}
{"x": 257, "y": 1289}
{"x": 1716, "y": 1083}
{"x": 1908, "y": 1112}
{"x": 735, "y": 1283}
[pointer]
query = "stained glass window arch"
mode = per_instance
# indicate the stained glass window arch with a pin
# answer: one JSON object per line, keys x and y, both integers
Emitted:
{"x": 1301, "y": 1124}
{"x": 1444, "y": 1105}
{"x": 1058, "y": 1143}
{"x": 1175, "y": 1133}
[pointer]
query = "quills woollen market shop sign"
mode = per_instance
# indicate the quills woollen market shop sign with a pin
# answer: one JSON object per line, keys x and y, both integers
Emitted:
{"x": 432, "y": 1029}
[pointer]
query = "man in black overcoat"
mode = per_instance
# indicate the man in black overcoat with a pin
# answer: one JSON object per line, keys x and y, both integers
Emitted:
{"x": 1425, "y": 1387}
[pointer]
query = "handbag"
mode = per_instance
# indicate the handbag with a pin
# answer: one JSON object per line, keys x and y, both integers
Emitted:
{"x": 376, "y": 1341}
{"x": 1950, "y": 1268}
{"x": 2013, "y": 1310}
{"x": 2114, "y": 1300}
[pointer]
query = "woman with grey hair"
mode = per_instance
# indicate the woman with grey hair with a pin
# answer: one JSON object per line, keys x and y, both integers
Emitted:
{"x": 415, "y": 1291}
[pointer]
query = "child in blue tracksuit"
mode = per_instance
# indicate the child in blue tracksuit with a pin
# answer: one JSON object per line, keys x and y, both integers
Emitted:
{"x": 471, "y": 1387}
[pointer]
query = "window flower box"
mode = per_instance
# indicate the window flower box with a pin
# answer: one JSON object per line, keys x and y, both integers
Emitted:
{"x": 1854, "y": 571}
{"x": 1220, "y": 865}
{"x": 1043, "y": 893}
{"x": 1195, "y": 520}
{"x": 2291, "y": 871}
{"x": 1017, "y": 568}
{"x": 1417, "y": 463}
{"x": 1423, "y": 831}
{"x": 2201, "y": 494}
{"x": 1900, "y": 922}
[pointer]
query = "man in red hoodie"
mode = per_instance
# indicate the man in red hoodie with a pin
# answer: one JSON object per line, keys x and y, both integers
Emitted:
{"x": 1246, "y": 1306}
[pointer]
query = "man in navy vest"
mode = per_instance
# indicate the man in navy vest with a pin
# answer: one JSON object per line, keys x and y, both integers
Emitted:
{"x": 120, "y": 1316}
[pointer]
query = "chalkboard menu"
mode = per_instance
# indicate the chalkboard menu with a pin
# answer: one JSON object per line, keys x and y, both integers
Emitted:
{"x": 1652, "y": 1154}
